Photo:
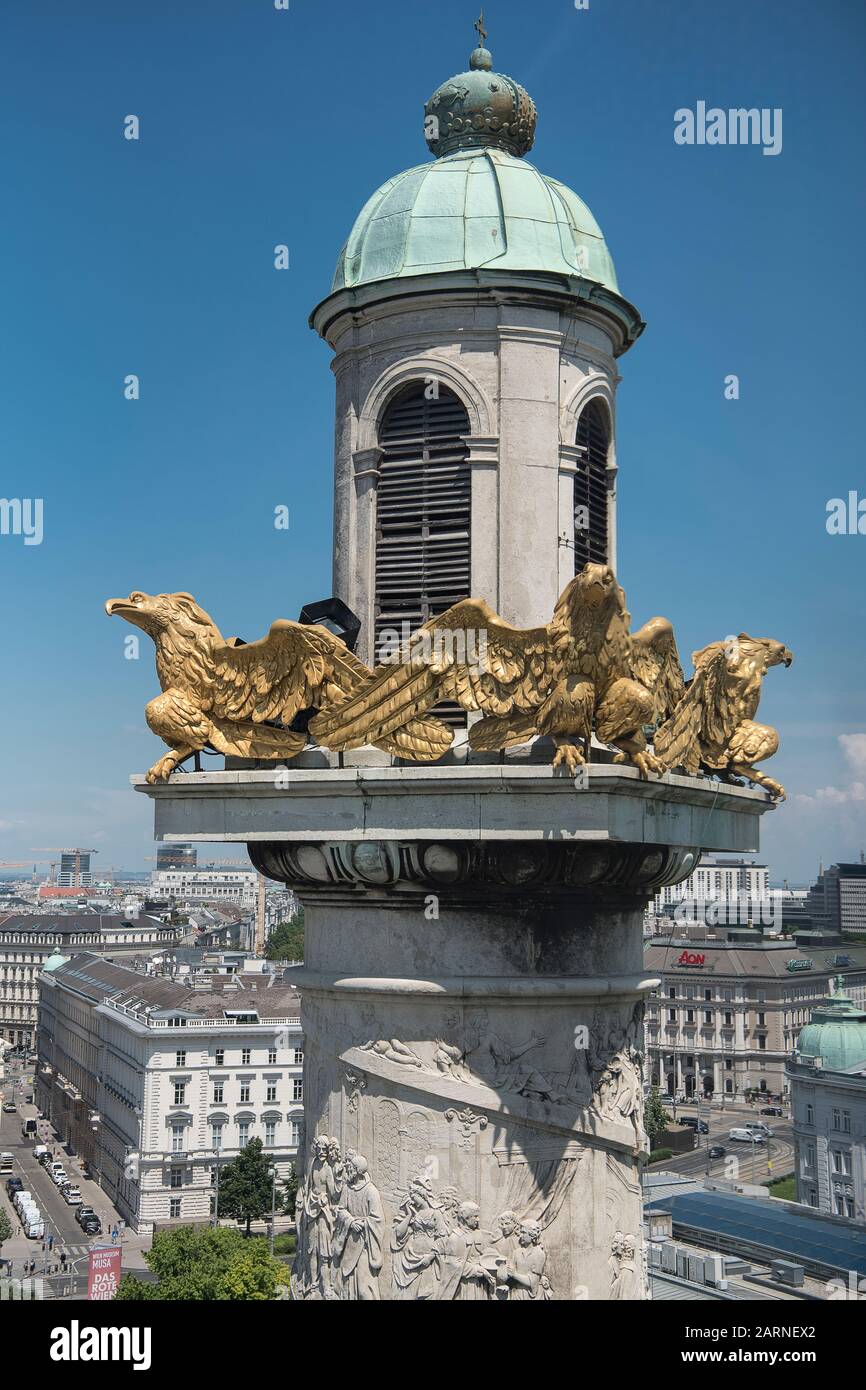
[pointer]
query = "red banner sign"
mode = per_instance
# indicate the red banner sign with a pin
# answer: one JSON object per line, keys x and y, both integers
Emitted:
{"x": 103, "y": 1272}
{"x": 690, "y": 958}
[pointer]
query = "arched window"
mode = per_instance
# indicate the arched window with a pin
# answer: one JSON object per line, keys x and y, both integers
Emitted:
{"x": 422, "y": 511}
{"x": 590, "y": 487}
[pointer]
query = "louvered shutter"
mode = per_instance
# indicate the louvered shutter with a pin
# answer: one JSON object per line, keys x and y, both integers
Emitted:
{"x": 422, "y": 513}
{"x": 590, "y": 486}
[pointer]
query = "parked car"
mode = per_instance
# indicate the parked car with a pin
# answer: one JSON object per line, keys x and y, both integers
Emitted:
{"x": 55, "y": 1166}
{"x": 84, "y": 1211}
{"x": 772, "y": 1110}
{"x": 14, "y": 1185}
{"x": 6, "y": 1164}
{"x": 9, "y": 1107}
{"x": 72, "y": 1195}
{"x": 699, "y": 1126}
{"x": 92, "y": 1226}
{"x": 717, "y": 1151}
{"x": 60, "y": 1176}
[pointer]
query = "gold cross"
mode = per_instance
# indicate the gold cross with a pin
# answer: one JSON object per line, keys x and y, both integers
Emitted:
{"x": 478, "y": 26}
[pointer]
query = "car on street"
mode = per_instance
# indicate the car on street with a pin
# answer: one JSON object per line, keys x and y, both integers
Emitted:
{"x": 717, "y": 1151}
{"x": 72, "y": 1195}
{"x": 9, "y": 1107}
{"x": 92, "y": 1226}
{"x": 60, "y": 1176}
{"x": 699, "y": 1126}
{"x": 760, "y": 1128}
{"x": 85, "y": 1213}
{"x": 772, "y": 1110}
{"x": 14, "y": 1185}
{"x": 746, "y": 1136}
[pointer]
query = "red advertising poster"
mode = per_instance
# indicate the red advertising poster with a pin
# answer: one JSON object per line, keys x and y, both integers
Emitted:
{"x": 103, "y": 1272}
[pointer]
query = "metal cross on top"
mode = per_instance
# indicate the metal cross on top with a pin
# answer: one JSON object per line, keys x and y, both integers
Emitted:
{"x": 478, "y": 26}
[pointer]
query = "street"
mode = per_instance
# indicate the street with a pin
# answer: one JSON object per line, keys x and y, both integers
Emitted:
{"x": 753, "y": 1160}
{"x": 59, "y": 1217}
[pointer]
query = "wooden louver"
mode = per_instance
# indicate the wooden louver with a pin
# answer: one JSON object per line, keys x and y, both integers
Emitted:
{"x": 590, "y": 486}
{"x": 423, "y": 514}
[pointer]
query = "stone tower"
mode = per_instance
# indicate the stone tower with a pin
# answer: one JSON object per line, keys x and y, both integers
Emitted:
{"x": 476, "y": 321}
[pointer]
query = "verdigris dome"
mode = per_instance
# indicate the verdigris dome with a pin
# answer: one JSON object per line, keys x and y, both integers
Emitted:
{"x": 479, "y": 204}
{"x": 836, "y": 1034}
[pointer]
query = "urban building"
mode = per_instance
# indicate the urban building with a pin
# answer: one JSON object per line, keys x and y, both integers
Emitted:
{"x": 733, "y": 892}
{"x": 186, "y": 887}
{"x": 156, "y": 1084}
{"x": 75, "y": 868}
{"x": 28, "y": 939}
{"x": 827, "y": 1080}
{"x": 837, "y": 899}
{"x": 726, "y": 1015}
{"x": 176, "y": 856}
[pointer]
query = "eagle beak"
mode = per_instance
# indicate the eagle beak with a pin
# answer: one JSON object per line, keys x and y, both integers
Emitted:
{"x": 788, "y": 657}
{"x": 117, "y": 605}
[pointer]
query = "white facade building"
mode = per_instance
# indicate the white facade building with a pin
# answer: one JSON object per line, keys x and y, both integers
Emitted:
{"x": 154, "y": 1083}
{"x": 206, "y": 885}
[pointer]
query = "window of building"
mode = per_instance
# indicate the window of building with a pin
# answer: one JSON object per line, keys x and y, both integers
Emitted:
{"x": 729, "y": 1019}
{"x": 297, "y": 1089}
{"x": 218, "y": 1091}
{"x": 299, "y": 1056}
{"x": 272, "y": 1056}
{"x": 271, "y": 1091}
{"x": 176, "y": 1177}
{"x": 729, "y": 1086}
{"x": 708, "y": 994}
{"x": 245, "y": 1092}
{"x": 708, "y": 1016}
{"x": 841, "y": 1162}
{"x": 810, "y": 1114}
{"x": 690, "y": 1015}
{"x": 672, "y": 994}
{"x": 180, "y": 1092}
{"x": 177, "y": 1141}
{"x": 220, "y": 1056}
{"x": 174, "y": 1207}
{"x": 246, "y": 1055}
{"x": 672, "y": 1015}
{"x": 270, "y": 1133}
{"x": 216, "y": 1132}
{"x": 762, "y": 1043}
{"x": 590, "y": 486}
{"x": 243, "y": 1132}
{"x": 294, "y": 1133}
{"x": 423, "y": 510}
{"x": 180, "y": 1058}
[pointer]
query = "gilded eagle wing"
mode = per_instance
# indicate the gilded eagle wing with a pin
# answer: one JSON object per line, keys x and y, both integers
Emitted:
{"x": 705, "y": 717}
{"x": 467, "y": 654}
{"x": 655, "y": 663}
{"x": 298, "y": 665}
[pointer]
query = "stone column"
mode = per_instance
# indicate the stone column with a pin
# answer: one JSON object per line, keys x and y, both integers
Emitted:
{"x": 473, "y": 1067}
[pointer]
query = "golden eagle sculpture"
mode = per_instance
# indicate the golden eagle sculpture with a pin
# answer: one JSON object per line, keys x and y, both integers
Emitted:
{"x": 240, "y": 698}
{"x": 713, "y": 725}
{"x": 583, "y": 672}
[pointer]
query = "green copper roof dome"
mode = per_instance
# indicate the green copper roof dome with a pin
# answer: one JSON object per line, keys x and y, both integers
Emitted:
{"x": 479, "y": 204}
{"x": 836, "y": 1034}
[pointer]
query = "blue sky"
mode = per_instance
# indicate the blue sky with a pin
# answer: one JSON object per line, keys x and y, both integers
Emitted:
{"x": 261, "y": 127}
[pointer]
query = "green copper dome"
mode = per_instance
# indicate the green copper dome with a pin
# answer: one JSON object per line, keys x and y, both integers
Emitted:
{"x": 479, "y": 204}
{"x": 836, "y": 1034}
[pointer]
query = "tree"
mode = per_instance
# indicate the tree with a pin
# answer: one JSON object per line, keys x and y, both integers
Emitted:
{"x": 201, "y": 1264}
{"x": 286, "y": 941}
{"x": 6, "y": 1227}
{"x": 246, "y": 1185}
{"x": 655, "y": 1117}
{"x": 287, "y": 1199}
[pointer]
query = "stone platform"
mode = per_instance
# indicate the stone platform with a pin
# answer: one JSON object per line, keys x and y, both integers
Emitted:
{"x": 473, "y": 995}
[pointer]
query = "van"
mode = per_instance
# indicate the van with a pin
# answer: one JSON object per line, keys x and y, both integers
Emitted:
{"x": 746, "y": 1136}
{"x": 5, "y": 1165}
{"x": 29, "y": 1129}
{"x": 55, "y": 1167}
{"x": 34, "y": 1227}
{"x": 757, "y": 1127}
{"x": 41, "y": 1152}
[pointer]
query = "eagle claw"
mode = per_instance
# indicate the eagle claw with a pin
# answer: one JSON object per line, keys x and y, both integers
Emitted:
{"x": 569, "y": 755}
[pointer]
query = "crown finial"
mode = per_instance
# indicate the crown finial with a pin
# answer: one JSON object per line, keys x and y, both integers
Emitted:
{"x": 478, "y": 26}
{"x": 480, "y": 59}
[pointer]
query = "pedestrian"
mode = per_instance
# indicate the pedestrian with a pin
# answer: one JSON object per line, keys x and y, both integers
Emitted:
{"x": 50, "y": 1242}
{"x": 63, "y": 1259}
